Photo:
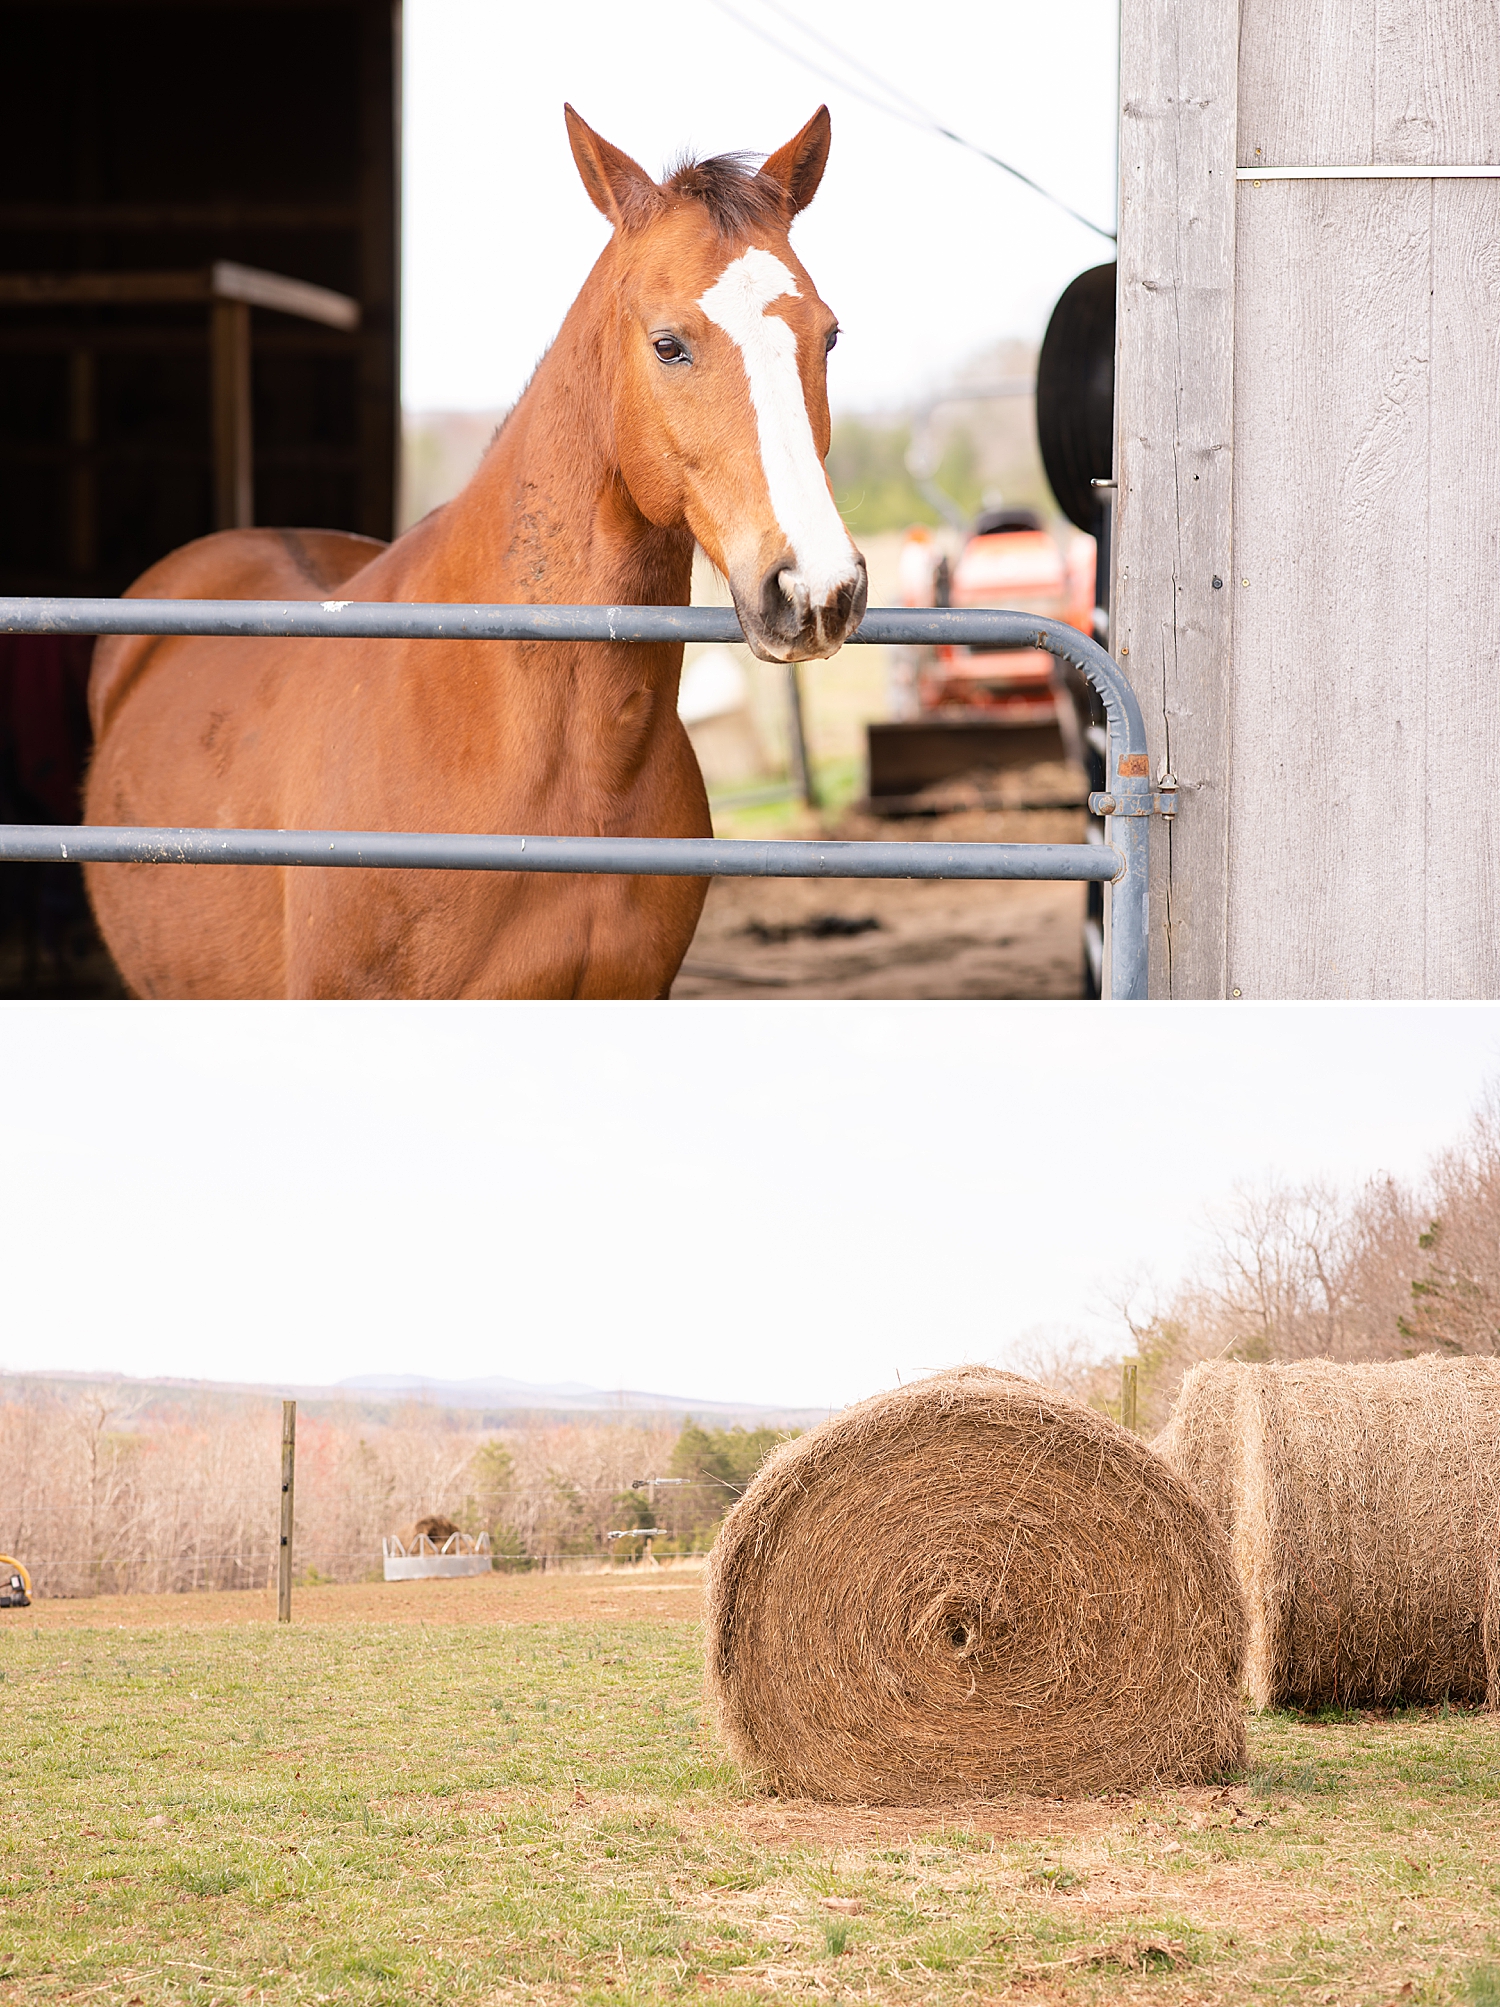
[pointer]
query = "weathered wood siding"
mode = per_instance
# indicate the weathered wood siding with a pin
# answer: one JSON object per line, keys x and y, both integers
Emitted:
{"x": 1335, "y": 715}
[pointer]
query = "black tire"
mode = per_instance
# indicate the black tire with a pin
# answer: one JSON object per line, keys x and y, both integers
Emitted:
{"x": 1075, "y": 394}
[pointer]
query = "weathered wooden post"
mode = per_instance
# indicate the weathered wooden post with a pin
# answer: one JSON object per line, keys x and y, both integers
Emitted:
{"x": 1307, "y": 466}
{"x": 1127, "y": 1393}
{"x": 288, "y": 1482}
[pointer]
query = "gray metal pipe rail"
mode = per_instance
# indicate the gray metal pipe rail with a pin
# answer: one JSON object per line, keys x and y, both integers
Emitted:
{"x": 1128, "y": 801}
{"x": 627, "y": 856}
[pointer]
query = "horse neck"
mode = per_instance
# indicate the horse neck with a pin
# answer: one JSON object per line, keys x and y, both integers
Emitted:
{"x": 547, "y": 517}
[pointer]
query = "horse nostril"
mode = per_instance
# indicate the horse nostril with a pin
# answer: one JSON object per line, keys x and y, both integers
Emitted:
{"x": 783, "y": 602}
{"x": 788, "y": 611}
{"x": 845, "y": 608}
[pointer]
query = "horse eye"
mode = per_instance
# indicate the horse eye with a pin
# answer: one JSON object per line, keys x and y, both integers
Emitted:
{"x": 833, "y": 335}
{"x": 670, "y": 349}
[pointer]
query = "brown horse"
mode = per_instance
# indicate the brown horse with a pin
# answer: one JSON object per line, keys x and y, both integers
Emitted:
{"x": 685, "y": 397}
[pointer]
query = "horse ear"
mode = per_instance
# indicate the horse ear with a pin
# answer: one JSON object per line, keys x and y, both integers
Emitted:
{"x": 617, "y": 186}
{"x": 797, "y": 167}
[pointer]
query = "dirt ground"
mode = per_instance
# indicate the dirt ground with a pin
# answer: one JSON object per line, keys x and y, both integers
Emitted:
{"x": 774, "y": 939}
{"x": 788, "y": 938}
{"x": 856, "y": 938}
{"x": 643, "y": 1596}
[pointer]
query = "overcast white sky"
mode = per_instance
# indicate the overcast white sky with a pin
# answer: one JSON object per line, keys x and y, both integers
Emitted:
{"x": 926, "y": 253}
{"x": 782, "y": 1203}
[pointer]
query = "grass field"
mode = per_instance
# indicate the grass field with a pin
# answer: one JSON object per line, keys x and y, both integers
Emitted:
{"x": 506, "y": 1792}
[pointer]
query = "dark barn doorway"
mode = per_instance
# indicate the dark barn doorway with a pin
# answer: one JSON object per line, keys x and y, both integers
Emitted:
{"x": 159, "y": 165}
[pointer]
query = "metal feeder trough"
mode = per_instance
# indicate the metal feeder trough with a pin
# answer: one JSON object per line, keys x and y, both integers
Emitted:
{"x": 459, "y": 1555}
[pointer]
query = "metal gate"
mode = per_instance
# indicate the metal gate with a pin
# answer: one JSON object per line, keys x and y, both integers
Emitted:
{"x": 1127, "y": 804}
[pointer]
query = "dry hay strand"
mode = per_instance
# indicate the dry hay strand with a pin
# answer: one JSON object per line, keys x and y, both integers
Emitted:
{"x": 1124, "y": 1954}
{"x": 972, "y": 1584}
{"x": 1361, "y": 1504}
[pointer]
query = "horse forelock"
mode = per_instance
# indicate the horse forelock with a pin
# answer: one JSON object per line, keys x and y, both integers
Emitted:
{"x": 737, "y": 197}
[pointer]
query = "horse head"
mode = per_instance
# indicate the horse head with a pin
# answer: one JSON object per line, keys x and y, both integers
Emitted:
{"x": 719, "y": 390}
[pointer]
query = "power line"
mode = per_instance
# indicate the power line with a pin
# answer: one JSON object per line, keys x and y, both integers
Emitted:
{"x": 816, "y": 35}
{"x": 916, "y": 115}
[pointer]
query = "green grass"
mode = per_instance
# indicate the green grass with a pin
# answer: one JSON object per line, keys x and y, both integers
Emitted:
{"x": 537, "y": 1813}
{"x": 838, "y": 781}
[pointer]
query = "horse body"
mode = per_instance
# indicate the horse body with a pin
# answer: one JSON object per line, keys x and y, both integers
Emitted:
{"x": 620, "y": 453}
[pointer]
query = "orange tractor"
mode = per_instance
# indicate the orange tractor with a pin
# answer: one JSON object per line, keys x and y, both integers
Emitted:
{"x": 967, "y": 713}
{"x": 964, "y": 721}
{"x": 1009, "y": 560}
{"x": 972, "y": 712}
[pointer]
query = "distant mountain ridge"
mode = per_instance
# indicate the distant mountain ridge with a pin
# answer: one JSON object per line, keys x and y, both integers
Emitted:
{"x": 489, "y": 1385}
{"x": 495, "y": 1391}
{"x": 492, "y": 1400}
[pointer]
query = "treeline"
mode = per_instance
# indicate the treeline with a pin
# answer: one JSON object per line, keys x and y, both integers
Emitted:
{"x": 977, "y": 448}
{"x": 707, "y": 1471}
{"x": 96, "y": 1499}
{"x": 1386, "y": 1271}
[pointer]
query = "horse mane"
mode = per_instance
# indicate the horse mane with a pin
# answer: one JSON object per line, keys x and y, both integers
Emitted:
{"x": 735, "y": 195}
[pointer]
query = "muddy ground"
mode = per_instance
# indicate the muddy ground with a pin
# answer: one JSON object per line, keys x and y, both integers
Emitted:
{"x": 787, "y": 938}
{"x": 854, "y": 938}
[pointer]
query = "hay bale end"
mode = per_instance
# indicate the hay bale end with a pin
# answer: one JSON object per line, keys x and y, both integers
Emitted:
{"x": 1362, "y": 1507}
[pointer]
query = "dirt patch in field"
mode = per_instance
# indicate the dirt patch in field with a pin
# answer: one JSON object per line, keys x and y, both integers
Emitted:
{"x": 804, "y": 1822}
{"x": 892, "y": 938}
{"x": 676, "y": 1598}
{"x": 1152, "y": 1820}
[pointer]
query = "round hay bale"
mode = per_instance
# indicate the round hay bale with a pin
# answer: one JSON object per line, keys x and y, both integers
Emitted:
{"x": 1361, "y": 1504}
{"x": 434, "y": 1526}
{"x": 968, "y": 1585}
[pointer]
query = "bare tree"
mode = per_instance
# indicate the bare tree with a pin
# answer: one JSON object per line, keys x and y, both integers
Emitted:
{"x": 1287, "y": 1272}
{"x": 1455, "y": 1293}
{"x": 1069, "y": 1360}
{"x": 96, "y": 1499}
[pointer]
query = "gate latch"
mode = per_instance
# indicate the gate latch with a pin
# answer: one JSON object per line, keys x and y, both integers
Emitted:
{"x": 1160, "y": 800}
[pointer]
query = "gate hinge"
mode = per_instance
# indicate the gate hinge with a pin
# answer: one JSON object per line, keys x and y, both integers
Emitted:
{"x": 1159, "y": 800}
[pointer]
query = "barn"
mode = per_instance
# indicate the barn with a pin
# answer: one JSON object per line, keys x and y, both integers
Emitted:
{"x": 1307, "y": 522}
{"x": 199, "y": 318}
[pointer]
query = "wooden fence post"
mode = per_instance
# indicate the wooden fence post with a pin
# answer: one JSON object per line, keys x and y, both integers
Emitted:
{"x": 234, "y": 444}
{"x": 288, "y": 1483}
{"x": 1127, "y": 1393}
{"x": 800, "y": 759}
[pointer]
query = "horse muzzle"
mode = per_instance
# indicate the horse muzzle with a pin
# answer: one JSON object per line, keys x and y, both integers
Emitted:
{"x": 787, "y": 620}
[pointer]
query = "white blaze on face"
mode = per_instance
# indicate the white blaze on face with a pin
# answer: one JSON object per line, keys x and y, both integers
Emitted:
{"x": 737, "y": 302}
